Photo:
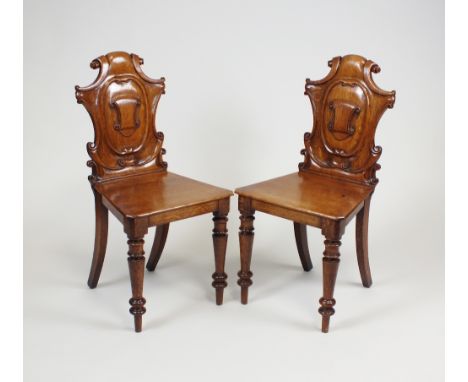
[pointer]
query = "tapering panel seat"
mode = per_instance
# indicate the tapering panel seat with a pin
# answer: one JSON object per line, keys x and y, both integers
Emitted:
{"x": 335, "y": 181}
{"x": 310, "y": 196}
{"x": 160, "y": 197}
{"x": 130, "y": 178}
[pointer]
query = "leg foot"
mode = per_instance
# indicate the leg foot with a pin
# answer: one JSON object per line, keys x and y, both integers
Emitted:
{"x": 158, "y": 246}
{"x": 138, "y": 323}
{"x": 246, "y": 236}
{"x": 100, "y": 241}
{"x": 362, "y": 223}
{"x": 136, "y": 265}
{"x": 300, "y": 232}
{"x": 331, "y": 261}
{"x": 220, "y": 242}
{"x": 245, "y": 280}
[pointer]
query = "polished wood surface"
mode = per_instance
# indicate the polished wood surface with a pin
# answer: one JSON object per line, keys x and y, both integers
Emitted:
{"x": 300, "y": 232}
{"x": 158, "y": 246}
{"x": 130, "y": 178}
{"x": 246, "y": 237}
{"x": 122, "y": 104}
{"x": 136, "y": 266}
{"x": 347, "y": 106}
{"x": 362, "y": 224}
{"x": 330, "y": 264}
{"x": 310, "y": 193}
{"x": 336, "y": 179}
{"x": 100, "y": 240}
{"x": 156, "y": 194}
{"x": 220, "y": 243}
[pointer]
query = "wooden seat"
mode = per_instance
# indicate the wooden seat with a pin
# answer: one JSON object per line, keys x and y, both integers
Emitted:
{"x": 130, "y": 178}
{"x": 161, "y": 197}
{"x": 305, "y": 194}
{"x": 336, "y": 180}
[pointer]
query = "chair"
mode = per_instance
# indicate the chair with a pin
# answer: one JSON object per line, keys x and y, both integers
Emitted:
{"x": 336, "y": 180}
{"x": 130, "y": 178}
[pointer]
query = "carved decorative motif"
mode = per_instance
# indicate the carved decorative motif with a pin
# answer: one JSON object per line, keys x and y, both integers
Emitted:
{"x": 122, "y": 104}
{"x": 347, "y": 106}
{"x": 129, "y": 176}
{"x": 336, "y": 180}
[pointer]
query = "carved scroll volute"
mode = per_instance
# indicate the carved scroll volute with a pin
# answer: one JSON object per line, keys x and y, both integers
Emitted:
{"x": 347, "y": 106}
{"x": 122, "y": 103}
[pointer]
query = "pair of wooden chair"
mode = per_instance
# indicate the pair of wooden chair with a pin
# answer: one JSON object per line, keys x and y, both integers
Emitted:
{"x": 335, "y": 181}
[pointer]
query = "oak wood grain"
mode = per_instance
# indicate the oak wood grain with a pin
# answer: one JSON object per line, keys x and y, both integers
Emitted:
{"x": 129, "y": 176}
{"x": 300, "y": 233}
{"x": 156, "y": 193}
{"x": 336, "y": 179}
{"x": 100, "y": 240}
{"x": 362, "y": 251}
{"x": 158, "y": 246}
{"x": 313, "y": 194}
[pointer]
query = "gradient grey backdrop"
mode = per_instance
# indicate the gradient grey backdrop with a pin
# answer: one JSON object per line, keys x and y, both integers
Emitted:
{"x": 234, "y": 114}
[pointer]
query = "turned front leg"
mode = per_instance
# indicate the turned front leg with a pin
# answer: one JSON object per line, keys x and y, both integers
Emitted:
{"x": 330, "y": 261}
{"x": 246, "y": 237}
{"x": 136, "y": 265}
{"x": 220, "y": 242}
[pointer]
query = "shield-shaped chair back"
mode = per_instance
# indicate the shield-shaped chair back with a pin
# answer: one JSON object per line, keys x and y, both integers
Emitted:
{"x": 347, "y": 106}
{"x": 122, "y": 103}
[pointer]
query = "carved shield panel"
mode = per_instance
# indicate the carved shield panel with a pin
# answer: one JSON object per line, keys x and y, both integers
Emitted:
{"x": 122, "y": 104}
{"x": 126, "y": 117}
{"x": 347, "y": 106}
